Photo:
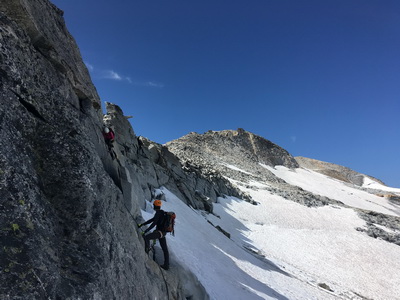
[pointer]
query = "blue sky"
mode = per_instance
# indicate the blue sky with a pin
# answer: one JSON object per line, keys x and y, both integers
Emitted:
{"x": 318, "y": 78}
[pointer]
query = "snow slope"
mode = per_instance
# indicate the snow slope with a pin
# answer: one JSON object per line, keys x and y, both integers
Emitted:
{"x": 369, "y": 183}
{"x": 226, "y": 269}
{"x": 335, "y": 189}
{"x": 320, "y": 245}
{"x": 280, "y": 249}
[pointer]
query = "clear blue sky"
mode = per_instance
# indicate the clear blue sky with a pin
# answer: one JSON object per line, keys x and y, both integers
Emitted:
{"x": 320, "y": 78}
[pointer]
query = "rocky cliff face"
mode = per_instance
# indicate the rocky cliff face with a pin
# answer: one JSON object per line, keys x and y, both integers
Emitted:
{"x": 67, "y": 210}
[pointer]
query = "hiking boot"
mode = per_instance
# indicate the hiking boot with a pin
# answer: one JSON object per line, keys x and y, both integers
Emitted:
{"x": 165, "y": 267}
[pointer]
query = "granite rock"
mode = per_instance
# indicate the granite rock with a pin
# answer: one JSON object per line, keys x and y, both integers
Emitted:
{"x": 67, "y": 210}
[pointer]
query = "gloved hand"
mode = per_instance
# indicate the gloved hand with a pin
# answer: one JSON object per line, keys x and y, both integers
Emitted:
{"x": 140, "y": 225}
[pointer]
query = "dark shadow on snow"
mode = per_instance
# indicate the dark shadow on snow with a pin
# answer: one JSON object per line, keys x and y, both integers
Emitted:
{"x": 252, "y": 284}
{"x": 246, "y": 242}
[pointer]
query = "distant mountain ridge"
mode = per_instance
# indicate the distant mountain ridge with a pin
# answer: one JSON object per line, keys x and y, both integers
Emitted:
{"x": 335, "y": 171}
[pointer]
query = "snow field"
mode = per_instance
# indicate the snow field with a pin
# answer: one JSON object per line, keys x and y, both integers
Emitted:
{"x": 280, "y": 249}
{"x": 320, "y": 244}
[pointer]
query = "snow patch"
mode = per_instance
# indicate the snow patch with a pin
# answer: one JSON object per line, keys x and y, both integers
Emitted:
{"x": 232, "y": 167}
{"x": 372, "y": 184}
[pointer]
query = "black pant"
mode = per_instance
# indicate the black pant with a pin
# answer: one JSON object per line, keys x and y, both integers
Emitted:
{"x": 109, "y": 144}
{"x": 163, "y": 243}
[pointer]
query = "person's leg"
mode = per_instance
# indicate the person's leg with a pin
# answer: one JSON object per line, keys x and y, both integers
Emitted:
{"x": 148, "y": 237}
{"x": 164, "y": 247}
{"x": 108, "y": 144}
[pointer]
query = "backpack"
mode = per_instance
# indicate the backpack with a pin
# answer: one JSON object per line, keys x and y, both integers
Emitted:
{"x": 168, "y": 222}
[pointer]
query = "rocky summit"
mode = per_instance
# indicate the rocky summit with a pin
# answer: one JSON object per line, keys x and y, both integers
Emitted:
{"x": 231, "y": 144}
{"x": 243, "y": 157}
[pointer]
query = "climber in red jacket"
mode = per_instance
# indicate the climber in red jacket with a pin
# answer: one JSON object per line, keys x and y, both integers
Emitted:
{"x": 109, "y": 137}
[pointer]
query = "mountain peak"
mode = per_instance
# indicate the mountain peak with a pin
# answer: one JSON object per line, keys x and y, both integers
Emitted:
{"x": 236, "y": 147}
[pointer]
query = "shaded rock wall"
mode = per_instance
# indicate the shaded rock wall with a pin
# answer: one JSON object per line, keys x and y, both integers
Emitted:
{"x": 67, "y": 210}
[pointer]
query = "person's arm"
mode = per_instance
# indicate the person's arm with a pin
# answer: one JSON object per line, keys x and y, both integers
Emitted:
{"x": 154, "y": 219}
{"x": 147, "y": 222}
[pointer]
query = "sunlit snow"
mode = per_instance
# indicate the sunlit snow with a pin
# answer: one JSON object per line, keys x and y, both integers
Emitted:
{"x": 369, "y": 183}
{"x": 335, "y": 189}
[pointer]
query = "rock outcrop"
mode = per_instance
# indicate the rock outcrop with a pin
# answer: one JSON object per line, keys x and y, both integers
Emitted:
{"x": 381, "y": 226}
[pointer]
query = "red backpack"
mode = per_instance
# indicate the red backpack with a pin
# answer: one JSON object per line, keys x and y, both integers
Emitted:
{"x": 169, "y": 222}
